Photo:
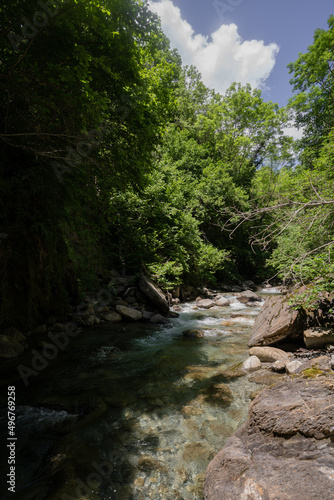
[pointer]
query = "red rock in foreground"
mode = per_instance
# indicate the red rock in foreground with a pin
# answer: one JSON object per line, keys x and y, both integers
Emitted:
{"x": 284, "y": 451}
{"x": 275, "y": 322}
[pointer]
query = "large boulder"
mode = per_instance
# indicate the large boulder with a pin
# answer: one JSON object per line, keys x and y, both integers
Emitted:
{"x": 284, "y": 450}
{"x": 153, "y": 293}
{"x": 275, "y": 322}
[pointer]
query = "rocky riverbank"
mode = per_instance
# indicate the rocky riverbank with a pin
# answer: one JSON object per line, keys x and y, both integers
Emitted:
{"x": 285, "y": 449}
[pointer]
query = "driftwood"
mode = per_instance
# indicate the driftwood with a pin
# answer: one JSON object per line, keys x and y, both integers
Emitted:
{"x": 153, "y": 293}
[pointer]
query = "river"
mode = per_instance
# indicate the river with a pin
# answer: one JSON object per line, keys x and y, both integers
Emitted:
{"x": 131, "y": 411}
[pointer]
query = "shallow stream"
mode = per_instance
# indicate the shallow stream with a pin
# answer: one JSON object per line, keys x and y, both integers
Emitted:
{"x": 132, "y": 411}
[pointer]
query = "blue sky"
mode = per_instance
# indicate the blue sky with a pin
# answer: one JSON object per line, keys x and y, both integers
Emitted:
{"x": 243, "y": 40}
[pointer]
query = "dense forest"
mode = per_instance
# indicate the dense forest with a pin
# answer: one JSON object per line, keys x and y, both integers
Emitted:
{"x": 115, "y": 156}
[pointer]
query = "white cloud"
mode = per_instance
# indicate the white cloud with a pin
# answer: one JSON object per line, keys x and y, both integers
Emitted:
{"x": 294, "y": 132}
{"x": 222, "y": 58}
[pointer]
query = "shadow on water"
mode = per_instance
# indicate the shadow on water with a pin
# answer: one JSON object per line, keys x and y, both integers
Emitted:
{"x": 98, "y": 421}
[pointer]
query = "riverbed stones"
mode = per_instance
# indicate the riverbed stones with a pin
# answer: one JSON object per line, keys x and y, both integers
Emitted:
{"x": 129, "y": 313}
{"x": 252, "y": 364}
{"x": 268, "y": 354}
{"x": 318, "y": 337}
{"x": 275, "y": 322}
{"x": 9, "y": 347}
{"x": 284, "y": 450}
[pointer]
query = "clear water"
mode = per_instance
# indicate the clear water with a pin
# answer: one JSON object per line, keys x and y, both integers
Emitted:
{"x": 131, "y": 411}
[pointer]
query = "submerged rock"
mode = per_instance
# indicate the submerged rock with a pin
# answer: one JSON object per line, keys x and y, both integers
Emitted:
{"x": 284, "y": 450}
{"x": 275, "y": 322}
{"x": 193, "y": 334}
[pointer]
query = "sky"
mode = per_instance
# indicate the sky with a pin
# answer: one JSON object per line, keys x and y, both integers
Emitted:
{"x": 249, "y": 41}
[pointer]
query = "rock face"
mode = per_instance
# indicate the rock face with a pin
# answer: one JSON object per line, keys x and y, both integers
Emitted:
{"x": 284, "y": 450}
{"x": 268, "y": 354}
{"x": 153, "y": 293}
{"x": 275, "y": 322}
{"x": 318, "y": 337}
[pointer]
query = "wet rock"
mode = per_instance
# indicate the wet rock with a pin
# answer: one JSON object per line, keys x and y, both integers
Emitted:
{"x": 275, "y": 322}
{"x": 284, "y": 450}
{"x": 194, "y": 452}
{"x": 268, "y": 354}
{"x": 221, "y": 301}
{"x": 293, "y": 366}
{"x": 252, "y": 364}
{"x": 129, "y": 313}
{"x": 148, "y": 314}
{"x": 205, "y": 303}
{"x": 193, "y": 334}
{"x": 318, "y": 337}
{"x": 248, "y": 296}
{"x": 173, "y": 314}
{"x": 232, "y": 372}
{"x": 264, "y": 377}
{"x": 157, "y": 319}
{"x": 9, "y": 347}
{"x": 177, "y": 308}
{"x": 113, "y": 317}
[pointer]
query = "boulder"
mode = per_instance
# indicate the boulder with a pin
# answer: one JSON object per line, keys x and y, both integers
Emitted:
{"x": 251, "y": 364}
{"x": 153, "y": 293}
{"x": 129, "y": 313}
{"x": 9, "y": 347}
{"x": 284, "y": 450}
{"x": 205, "y": 303}
{"x": 275, "y": 322}
{"x": 318, "y": 337}
{"x": 15, "y": 334}
{"x": 221, "y": 301}
{"x": 114, "y": 317}
{"x": 248, "y": 296}
{"x": 268, "y": 354}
